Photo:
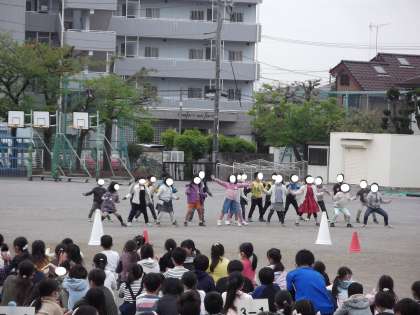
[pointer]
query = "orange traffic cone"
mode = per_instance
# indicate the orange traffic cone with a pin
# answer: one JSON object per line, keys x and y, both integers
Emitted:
{"x": 355, "y": 244}
{"x": 146, "y": 236}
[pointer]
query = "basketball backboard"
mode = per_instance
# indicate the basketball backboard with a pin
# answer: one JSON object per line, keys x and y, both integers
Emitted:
{"x": 41, "y": 119}
{"x": 16, "y": 119}
{"x": 80, "y": 120}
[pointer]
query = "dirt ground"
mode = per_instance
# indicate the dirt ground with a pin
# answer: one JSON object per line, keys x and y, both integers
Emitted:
{"x": 52, "y": 211}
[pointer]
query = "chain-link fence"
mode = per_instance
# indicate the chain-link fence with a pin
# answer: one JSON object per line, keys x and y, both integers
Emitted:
{"x": 223, "y": 171}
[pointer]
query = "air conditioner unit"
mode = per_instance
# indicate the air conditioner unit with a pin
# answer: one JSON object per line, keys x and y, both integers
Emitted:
{"x": 43, "y": 8}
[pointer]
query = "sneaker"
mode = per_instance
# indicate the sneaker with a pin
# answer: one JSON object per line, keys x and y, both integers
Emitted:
{"x": 332, "y": 224}
{"x": 175, "y": 223}
{"x": 283, "y": 225}
{"x": 89, "y": 219}
{"x": 227, "y": 222}
{"x": 261, "y": 220}
{"x": 149, "y": 224}
{"x": 268, "y": 222}
{"x": 123, "y": 224}
{"x": 219, "y": 222}
{"x": 301, "y": 218}
{"x": 201, "y": 224}
{"x": 157, "y": 223}
{"x": 250, "y": 220}
{"x": 349, "y": 225}
{"x": 364, "y": 225}
{"x": 317, "y": 223}
{"x": 376, "y": 221}
{"x": 239, "y": 224}
{"x": 245, "y": 223}
{"x": 185, "y": 223}
{"x": 297, "y": 223}
{"x": 129, "y": 224}
{"x": 389, "y": 226}
{"x": 357, "y": 220}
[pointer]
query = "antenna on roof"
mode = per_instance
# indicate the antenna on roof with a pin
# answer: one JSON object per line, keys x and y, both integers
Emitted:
{"x": 377, "y": 27}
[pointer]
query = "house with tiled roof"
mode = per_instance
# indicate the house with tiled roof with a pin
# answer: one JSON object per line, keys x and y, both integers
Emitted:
{"x": 363, "y": 84}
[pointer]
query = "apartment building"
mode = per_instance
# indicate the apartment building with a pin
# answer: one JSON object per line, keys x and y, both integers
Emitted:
{"x": 172, "y": 39}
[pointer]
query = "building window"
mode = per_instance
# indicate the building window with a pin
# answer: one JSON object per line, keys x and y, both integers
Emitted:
{"x": 379, "y": 69}
{"x": 131, "y": 46}
{"x": 30, "y": 36}
{"x": 210, "y": 53}
{"x": 235, "y": 55}
{"x": 344, "y": 80}
{"x": 237, "y": 17}
{"x": 132, "y": 8}
{"x": 195, "y": 93}
{"x": 43, "y": 6}
{"x": 153, "y": 13}
{"x": 151, "y": 52}
{"x": 197, "y": 15}
{"x": 195, "y": 53}
{"x": 234, "y": 94}
{"x": 403, "y": 61}
{"x": 212, "y": 15}
{"x": 318, "y": 156}
{"x": 44, "y": 37}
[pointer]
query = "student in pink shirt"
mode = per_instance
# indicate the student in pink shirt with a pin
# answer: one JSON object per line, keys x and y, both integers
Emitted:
{"x": 231, "y": 205}
{"x": 249, "y": 261}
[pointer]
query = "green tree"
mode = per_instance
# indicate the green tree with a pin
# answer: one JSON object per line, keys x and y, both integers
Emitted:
{"x": 278, "y": 122}
{"x": 167, "y": 138}
{"x": 115, "y": 100}
{"x": 362, "y": 121}
{"x": 235, "y": 145}
{"x": 193, "y": 143}
{"x": 145, "y": 132}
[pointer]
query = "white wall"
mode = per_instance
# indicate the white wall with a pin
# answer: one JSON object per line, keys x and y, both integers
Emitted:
{"x": 390, "y": 160}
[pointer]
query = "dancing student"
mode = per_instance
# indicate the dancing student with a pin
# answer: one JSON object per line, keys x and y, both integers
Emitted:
{"x": 341, "y": 199}
{"x": 206, "y": 190}
{"x": 277, "y": 195}
{"x": 109, "y": 201}
{"x": 243, "y": 192}
{"x": 97, "y": 193}
{"x": 340, "y": 180}
{"x": 374, "y": 201}
{"x": 308, "y": 204}
{"x": 362, "y": 194}
{"x": 292, "y": 187}
{"x": 151, "y": 185}
{"x": 257, "y": 190}
{"x": 231, "y": 203}
{"x": 267, "y": 187}
{"x": 165, "y": 196}
{"x": 320, "y": 190}
{"x": 195, "y": 200}
{"x": 139, "y": 196}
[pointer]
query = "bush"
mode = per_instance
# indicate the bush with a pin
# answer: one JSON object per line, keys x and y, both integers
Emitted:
{"x": 145, "y": 132}
{"x": 168, "y": 138}
{"x": 193, "y": 143}
{"x": 134, "y": 152}
{"x": 236, "y": 144}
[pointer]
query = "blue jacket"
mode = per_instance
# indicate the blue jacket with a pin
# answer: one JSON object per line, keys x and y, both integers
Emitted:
{"x": 205, "y": 282}
{"x": 308, "y": 284}
{"x": 76, "y": 288}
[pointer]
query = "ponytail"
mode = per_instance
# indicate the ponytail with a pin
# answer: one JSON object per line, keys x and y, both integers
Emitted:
{"x": 274, "y": 255}
{"x": 235, "y": 282}
{"x": 248, "y": 250}
{"x": 217, "y": 252}
{"x": 24, "y": 283}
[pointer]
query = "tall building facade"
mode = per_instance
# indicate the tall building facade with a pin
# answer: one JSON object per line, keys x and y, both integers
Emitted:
{"x": 174, "y": 40}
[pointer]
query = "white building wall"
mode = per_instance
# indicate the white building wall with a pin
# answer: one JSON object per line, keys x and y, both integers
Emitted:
{"x": 390, "y": 160}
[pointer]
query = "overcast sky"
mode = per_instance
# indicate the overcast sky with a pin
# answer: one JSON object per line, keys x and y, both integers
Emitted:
{"x": 333, "y": 21}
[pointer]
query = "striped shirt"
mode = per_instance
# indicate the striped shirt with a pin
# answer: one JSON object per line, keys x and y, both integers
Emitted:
{"x": 176, "y": 272}
{"x": 125, "y": 292}
{"x": 146, "y": 303}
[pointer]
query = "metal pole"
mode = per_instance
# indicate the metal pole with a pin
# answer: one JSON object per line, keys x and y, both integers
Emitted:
{"x": 180, "y": 112}
{"x": 97, "y": 146}
{"x": 220, "y": 15}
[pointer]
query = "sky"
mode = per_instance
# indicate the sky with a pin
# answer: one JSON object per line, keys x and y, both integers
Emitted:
{"x": 332, "y": 21}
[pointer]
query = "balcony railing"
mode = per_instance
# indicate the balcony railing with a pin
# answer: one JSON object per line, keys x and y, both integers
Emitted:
{"x": 90, "y": 40}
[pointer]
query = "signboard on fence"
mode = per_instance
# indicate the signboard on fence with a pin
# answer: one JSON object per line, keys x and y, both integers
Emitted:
{"x": 14, "y": 310}
{"x": 253, "y": 307}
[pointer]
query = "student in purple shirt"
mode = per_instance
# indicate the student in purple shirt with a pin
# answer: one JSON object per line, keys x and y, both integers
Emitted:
{"x": 307, "y": 284}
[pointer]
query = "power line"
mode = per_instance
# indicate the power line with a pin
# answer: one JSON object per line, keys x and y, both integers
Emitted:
{"x": 341, "y": 45}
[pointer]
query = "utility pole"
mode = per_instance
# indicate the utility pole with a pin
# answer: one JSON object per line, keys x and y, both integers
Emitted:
{"x": 220, "y": 17}
{"x": 377, "y": 27}
{"x": 180, "y": 112}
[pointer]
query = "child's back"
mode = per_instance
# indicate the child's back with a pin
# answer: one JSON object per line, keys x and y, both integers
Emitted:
{"x": 357, "y": 304}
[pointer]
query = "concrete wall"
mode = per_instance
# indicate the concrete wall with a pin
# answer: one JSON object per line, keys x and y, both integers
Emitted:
{"x": 390, "y": 160}
{"x": 12, "y": 18}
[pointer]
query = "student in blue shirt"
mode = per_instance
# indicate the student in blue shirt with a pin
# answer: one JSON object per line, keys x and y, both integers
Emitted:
{"x": 306, "y": 283}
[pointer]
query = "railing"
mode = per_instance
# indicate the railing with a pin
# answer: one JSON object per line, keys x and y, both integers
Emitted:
{"x": 180, "y": 20}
